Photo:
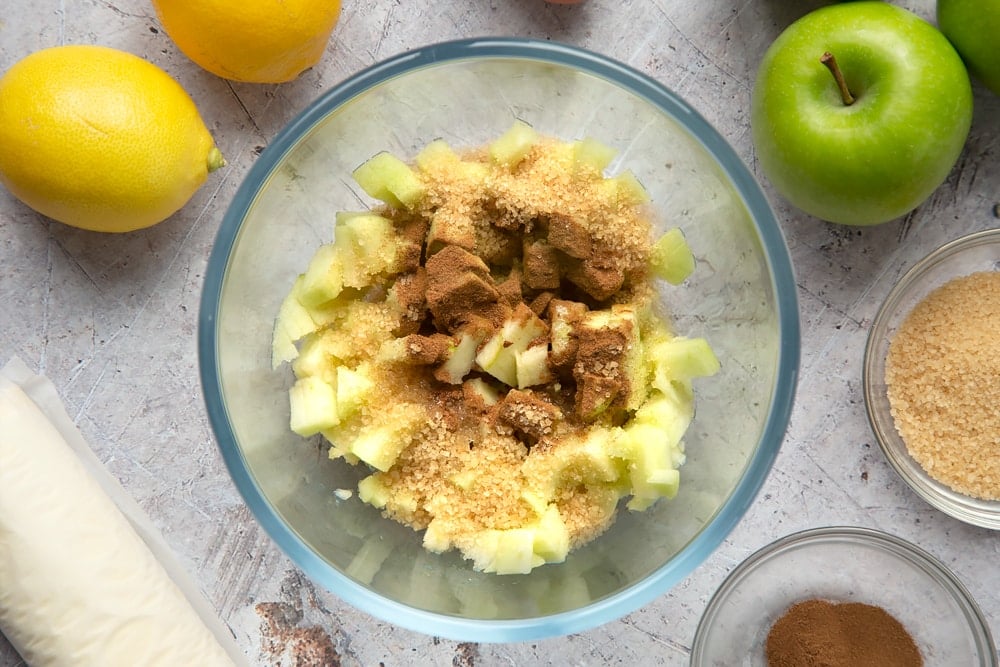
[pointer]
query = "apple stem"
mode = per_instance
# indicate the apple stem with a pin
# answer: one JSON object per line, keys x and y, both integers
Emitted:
{"x": 831, "y": 64}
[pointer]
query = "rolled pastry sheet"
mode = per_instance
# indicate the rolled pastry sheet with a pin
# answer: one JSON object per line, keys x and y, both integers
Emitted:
{"x": 78, "y": 586}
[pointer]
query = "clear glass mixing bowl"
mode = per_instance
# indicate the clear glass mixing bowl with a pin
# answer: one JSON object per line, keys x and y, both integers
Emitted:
{"x": 741, "y": 298}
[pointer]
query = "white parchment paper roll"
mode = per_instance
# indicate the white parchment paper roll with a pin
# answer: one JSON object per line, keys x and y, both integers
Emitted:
{"x": 79, "y": 586}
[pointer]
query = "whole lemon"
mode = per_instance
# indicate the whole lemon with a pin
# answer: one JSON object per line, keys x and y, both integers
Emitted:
{"x": 100, "y": 139}
{"x": 256, "y": 41}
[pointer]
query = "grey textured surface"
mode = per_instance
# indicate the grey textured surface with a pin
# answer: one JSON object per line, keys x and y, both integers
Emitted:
{"x": 111, "y": 320}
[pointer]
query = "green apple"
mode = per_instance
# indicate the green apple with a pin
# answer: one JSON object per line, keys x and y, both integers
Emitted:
{"x": 973, "y": 27}
{"x": 873, "y": 159}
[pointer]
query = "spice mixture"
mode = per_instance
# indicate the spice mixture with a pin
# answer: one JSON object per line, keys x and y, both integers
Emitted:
{"x": 820, "y": 633}
{"x": 943, "y": 381}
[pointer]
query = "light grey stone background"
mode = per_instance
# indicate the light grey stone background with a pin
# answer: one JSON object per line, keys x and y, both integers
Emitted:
{"x": 111, "y": 319}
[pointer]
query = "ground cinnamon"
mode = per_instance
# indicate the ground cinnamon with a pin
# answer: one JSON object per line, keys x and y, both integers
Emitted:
{"x": 819, "y": 633}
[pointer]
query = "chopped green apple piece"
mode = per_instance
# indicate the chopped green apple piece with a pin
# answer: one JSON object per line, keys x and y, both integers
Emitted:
{"x": 515, "y": 552}
{"x": 484, "y": 390}
{"x": 434, "y": 154}
{"x": 491, "y": 358}
{"x": 387, "y": 178}
{"x": 551, "y": 536}
{"x": 459, "y": 358}
{"x": 436, "y": 538}
{"x": 293, "y": 322}
{"x": 592, "y": 155}
{"x": 532, "y": 366}
{"x": 498, "y": 355}
{"x": 367, "y": 246}
{"x": 670, "y": 412}
{"x": 335, "y": 437}
{"x": 315, "y": 358}
{"x": 511, "y": 147}
{"x": 671, "y": 258}
{"x": 630, "y": 190}
{"x": 313, "y": 406}
{"x": 380, "y": 445}
{"x": 563, "y": 317}
{"x": 374, "y": 238}
{"x": 352, "y": 389}
{"x": 372, "y": 490}
{"x": 324, "y": 278}
{"x": 685, "y": 358}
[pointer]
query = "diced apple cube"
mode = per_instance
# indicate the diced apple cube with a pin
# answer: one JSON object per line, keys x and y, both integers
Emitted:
{"x": 551, "y": 536}
{"x": 316, "y": 359}
{"x": 511, "y": 147}
{"x": 313, "y": 406}
{"x": 387, "y": 178}
{"x": 685, "y": 358}
{"x": 293, "y": 322}
{"x": 592, "y": 155}
{"x": 532, "y": 366}
{"x": 460, "y": 358}
{"x": 338, "y": 450}
{"x": 670, "y": 413}
{"x": 630, "y": 190}
{"x": 436, "y": 539}
{"x": 515, "y": 552}
{"x": 379, "y": 445}
{"x": 497, "y": 360}
{"x": 435, "y": 154}
{"x": 375, "y": 239}
{"x": 372, "y": 490}
{"x": 671, "y": 258}
{"x": 324, "y": 278}
{"x": 352, "y": 389}
{"x": 481, "y": 388}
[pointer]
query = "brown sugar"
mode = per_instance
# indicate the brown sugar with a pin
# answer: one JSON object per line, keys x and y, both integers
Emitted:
{"x": 943, "y": 383}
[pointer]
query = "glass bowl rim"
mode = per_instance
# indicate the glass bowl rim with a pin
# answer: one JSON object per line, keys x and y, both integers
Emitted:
{"x": 915, "y": 555}
{"x": 959, "y": 506}
{"x": 783, "y": 287}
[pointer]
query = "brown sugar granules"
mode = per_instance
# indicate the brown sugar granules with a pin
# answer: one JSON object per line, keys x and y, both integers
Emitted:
{"x": 943, "y": 382}
{"x": 819, "y": 633}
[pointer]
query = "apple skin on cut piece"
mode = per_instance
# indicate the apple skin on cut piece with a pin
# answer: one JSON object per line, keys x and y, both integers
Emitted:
{"x": 881, "y": 156}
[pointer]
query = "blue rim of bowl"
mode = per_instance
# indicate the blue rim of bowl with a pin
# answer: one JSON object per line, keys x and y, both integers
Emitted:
{"x": 973, "y": 511}
{"x": 783, "y": 286}
{"x": 920, "y": 558}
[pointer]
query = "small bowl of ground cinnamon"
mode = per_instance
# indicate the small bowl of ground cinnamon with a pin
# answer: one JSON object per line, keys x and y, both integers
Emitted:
{"x": 842, "y": 597}
{"x": 932, "y": 378}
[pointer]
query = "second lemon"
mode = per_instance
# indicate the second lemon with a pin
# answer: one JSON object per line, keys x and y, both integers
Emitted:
{"x": 256, "y": 41}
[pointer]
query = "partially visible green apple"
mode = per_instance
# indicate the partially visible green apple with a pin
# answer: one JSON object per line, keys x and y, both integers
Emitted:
{"x": 973, "y": 26}
{"x": 877, "y": 158}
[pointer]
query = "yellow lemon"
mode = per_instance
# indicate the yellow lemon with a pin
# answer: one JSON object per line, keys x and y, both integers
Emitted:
{"x": 100, "y": 139}
{"x": 257, "y": 41}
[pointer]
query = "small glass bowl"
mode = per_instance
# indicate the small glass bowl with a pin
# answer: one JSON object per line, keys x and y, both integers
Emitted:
{"x": 843, "y": 564}
{"x": 979, "y": 251}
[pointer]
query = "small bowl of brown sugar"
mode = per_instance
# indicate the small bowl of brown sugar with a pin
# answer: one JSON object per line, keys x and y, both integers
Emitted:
{"x": 932, "y": 378}
{"x": 842, "y": 597}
